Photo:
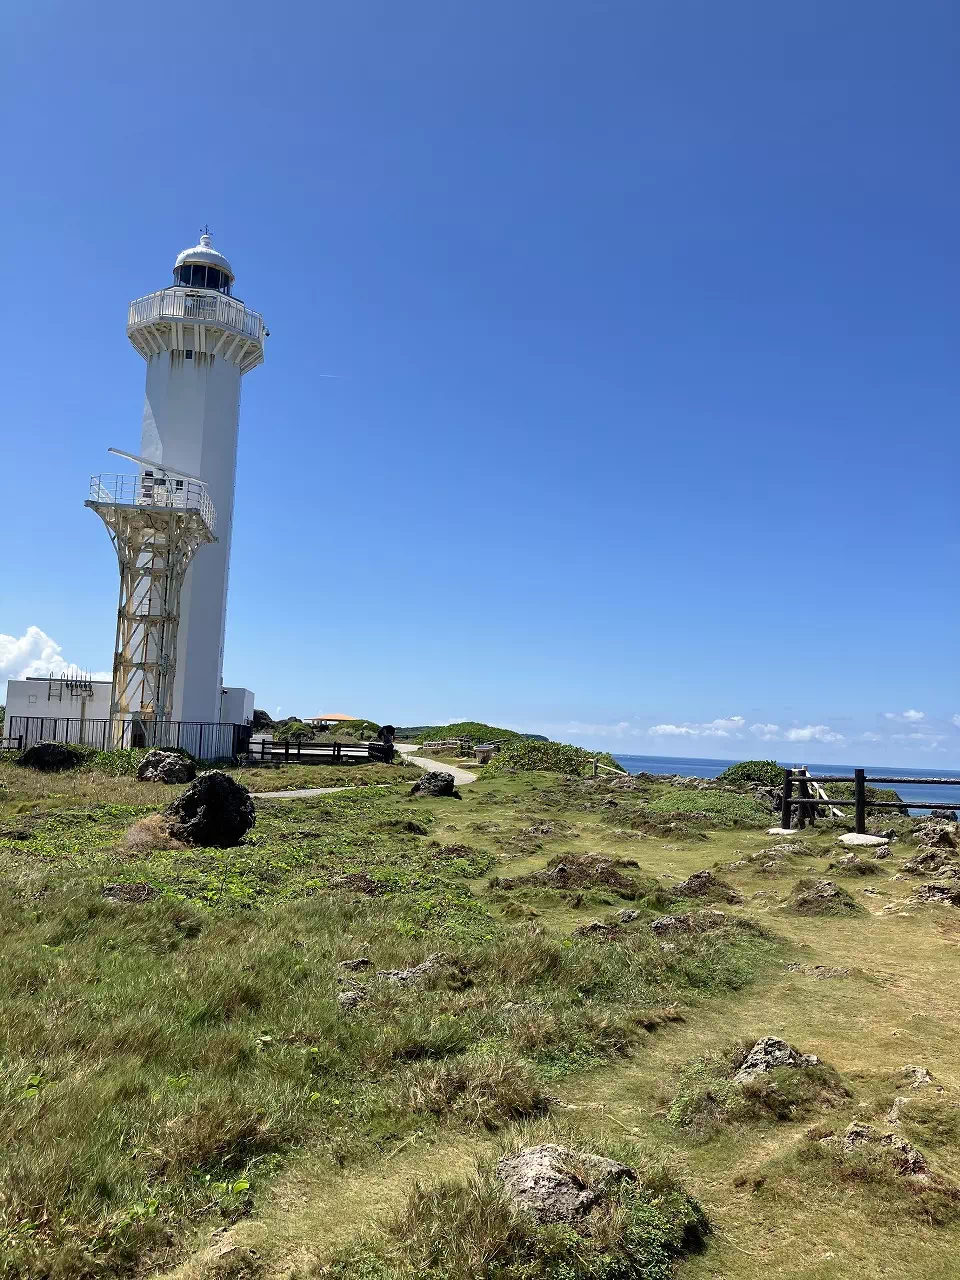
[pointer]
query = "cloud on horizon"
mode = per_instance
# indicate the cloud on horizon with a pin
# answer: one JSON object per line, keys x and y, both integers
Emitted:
{"x": 36, "y": 654}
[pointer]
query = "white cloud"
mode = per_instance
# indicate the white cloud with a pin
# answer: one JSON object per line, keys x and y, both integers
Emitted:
{"x": 926, "y": 740}
{"x": 36, "y": 654}
{"x": 722, "y": 728}
{"x": 903, "y": 715}
{"x": 956, "y": 721}
{"x": 813, "y": 733}
{"x": 871, "y": 737}
{"x": 766, "y": 732}
{"x": 574, "y": 728}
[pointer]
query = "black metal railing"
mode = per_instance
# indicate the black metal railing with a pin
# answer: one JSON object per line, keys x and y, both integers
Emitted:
{"x": 263, "y": 751}
{"x": 800, "y": 795}
{"x": 203, "y": 739}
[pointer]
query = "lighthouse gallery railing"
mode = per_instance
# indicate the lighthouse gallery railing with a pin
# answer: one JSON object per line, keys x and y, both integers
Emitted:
{"x": 208, "y": 308}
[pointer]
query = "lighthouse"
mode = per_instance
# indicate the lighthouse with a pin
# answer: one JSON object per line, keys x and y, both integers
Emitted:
{"x": 198, "y": 340}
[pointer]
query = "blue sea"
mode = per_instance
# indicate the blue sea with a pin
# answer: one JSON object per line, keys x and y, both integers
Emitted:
{"x": 690, "y": 767}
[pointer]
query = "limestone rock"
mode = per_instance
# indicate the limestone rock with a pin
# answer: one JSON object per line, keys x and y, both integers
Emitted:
{"x": 132, "y": 892}
{"x": 916, "y": 1077}
{"x": 688, "y": 922}
{"x": 435, "y": 783}
{"x": 417, "y": 972}
{"x": 555, "y": 1184}
{"x": 930, "y": 861}
{"x": 947, "y": 894}
{"x": 628, "y": 916}
{"x": 214, "y": 811}
{"x": 361, "y": 962}
{"x": 166, "y": 766}
{"x": 49, "y": 757}
{"x": 595, "y": 929}
{"x": 348, "y": 1000}
{"x": 704, "y": 884}
{"x": 859, "y": 1136}
{"x": 855, "y": 838}
{"x": 769, "y": 1053}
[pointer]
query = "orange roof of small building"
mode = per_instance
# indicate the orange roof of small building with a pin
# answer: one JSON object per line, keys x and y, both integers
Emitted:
{"x": 335, "y": 716}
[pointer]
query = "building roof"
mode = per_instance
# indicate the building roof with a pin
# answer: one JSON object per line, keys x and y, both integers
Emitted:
{"x": 335, "y": 716}
{"x": 206, "y": 253}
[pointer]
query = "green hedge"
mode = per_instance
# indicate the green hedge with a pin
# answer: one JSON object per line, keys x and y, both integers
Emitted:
{"x": 553, "y": 757}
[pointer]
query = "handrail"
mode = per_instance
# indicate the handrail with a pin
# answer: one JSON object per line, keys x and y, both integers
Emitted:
{"x": 187, "y": 304}
{"x": 143, "y": 490}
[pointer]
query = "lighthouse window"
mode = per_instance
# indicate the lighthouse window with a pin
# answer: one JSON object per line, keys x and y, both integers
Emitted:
{"x": 196, "y": 275}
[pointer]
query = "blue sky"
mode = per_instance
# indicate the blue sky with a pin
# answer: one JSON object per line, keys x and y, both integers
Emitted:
{"x": 643, "y": 322}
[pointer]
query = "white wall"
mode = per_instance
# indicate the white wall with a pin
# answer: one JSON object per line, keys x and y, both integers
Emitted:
{"x": 236, "y": 706}
{"x": 51, "y": 699}
{"x": 190, "y": 422}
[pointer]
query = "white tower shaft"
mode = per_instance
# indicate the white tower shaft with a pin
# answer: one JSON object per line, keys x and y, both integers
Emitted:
{"x": 198, "y": 342}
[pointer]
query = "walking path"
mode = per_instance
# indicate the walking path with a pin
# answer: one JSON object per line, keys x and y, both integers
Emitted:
{"x": 460, "y": 777}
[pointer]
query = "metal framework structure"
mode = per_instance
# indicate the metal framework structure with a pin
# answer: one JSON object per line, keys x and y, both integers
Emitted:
{"x": 157, "y": 521}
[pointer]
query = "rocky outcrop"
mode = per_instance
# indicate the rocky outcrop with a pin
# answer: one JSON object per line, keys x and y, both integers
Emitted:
{"x": 166, "y": 766}
{"x": 768, "y": 1054}
{"x": 409, "y": 977}
{"x": 555, "y": 1184}
{"x": 50, "y": 757}
{"x": 214, "y": 812}
{"x": 688, "y": 922}
{"x": 435, "y": 783}
{"x": 863, "y": 1137}
{"x": 131, "y": 892}
{"x": 931, "y": 861}
{"x": 704, "y": 884}
{"x": 945, "y": 894}
{"x": 820, "y": 897}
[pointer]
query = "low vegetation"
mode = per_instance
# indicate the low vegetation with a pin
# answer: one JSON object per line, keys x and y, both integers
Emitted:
{"x": 306, "y": 1053}
{"x": 552, "y": 757}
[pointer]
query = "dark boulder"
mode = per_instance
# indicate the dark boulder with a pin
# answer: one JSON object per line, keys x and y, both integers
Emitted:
{"x": 166, "y": 766}
{"x": 214, "y": 812}
{"x": 435, "y": 783}
{"x": 51, "y": 757}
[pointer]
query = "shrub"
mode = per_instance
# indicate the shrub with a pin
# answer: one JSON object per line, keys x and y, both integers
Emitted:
{"x": 552, "y": 757}
{"x": 767, "y": 772}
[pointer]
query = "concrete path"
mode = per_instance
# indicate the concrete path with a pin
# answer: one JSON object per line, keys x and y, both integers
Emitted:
{"x": 460, "y": 776}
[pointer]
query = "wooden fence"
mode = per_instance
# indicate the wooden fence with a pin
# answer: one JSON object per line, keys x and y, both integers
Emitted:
{"x": 803, "y": 792}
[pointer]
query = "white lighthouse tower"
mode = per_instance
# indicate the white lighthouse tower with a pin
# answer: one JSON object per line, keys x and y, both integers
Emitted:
{"x": 198, "y": 341}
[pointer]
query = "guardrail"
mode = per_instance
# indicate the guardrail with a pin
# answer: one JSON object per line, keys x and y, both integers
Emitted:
{"x": 806, "y": 804}
{"x": 207, "y": 308}
{"x": 151, "y": 490}
{"x": 264, "y": 752}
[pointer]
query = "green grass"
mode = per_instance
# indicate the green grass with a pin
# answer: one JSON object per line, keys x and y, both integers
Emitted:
{"x": 159, "y": 1059}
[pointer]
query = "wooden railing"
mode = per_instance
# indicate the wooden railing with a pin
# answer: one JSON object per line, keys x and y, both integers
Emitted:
{"x": 798, "y": 784}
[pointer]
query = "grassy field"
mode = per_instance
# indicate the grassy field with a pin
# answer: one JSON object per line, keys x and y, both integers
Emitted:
{"x": 195, "y": 1084}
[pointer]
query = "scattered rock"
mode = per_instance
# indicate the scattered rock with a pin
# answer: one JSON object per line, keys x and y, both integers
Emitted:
{"x": 880, "y": 853}
{"x": 595, "y": 929}
{"x": 820, "y": 897}
{"x": 931, "y": 861}
{"x": 417, "y": 972}
{"x": 893, "y": 1115}
{"x": 361, "y": 962}
{"x": 916, "y": 1077}
{"x": 853, "y": 864}
{"x": 947, "y": 894}
{"x": 865, "y": 841}
{"x": 579, "y": 871}
{"x": 688, "y": 922}
{"x": 231, "y": 1262}
{"x": 769, "y": 1053}
{"x": 628, "y": 916}
{"x": 435, "y": 783}
{"x": 214, "y": 812}
{"x": 704, "y": 884}
{"x": 555, "y": 1184}
{"x": 360, "y": 882}
{"x": 350, "y": 999}
{"x": 166, "y": 766}
{"x": 50, "y": 757}
{"x": 134, "y": 892}
{"x": 859, "y": 1136}
{"x": 934, "y": 832}
{"x": 818, "y": 971}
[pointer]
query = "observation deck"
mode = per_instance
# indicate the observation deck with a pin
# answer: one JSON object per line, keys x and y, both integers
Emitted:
{"x": 204, "y": 323}
{"x": 149, "y": 494}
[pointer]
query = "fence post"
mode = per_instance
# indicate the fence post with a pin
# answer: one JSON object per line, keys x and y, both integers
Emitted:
{"x": 594, "y": 763}
{"x": 860, "y": 801}
{"x": 286, "y": 751}
{"x": 787, "y": 797}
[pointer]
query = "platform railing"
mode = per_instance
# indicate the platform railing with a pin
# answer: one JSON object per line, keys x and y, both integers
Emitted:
{"x": 208, "y": 308}
{"x": 145, "y": 490}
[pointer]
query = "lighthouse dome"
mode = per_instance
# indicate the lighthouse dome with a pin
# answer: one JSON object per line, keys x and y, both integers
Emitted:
{"x": 203, "y": 267}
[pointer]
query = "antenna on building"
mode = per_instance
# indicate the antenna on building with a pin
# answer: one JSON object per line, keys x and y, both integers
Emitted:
{"x": 157, "y": 466}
